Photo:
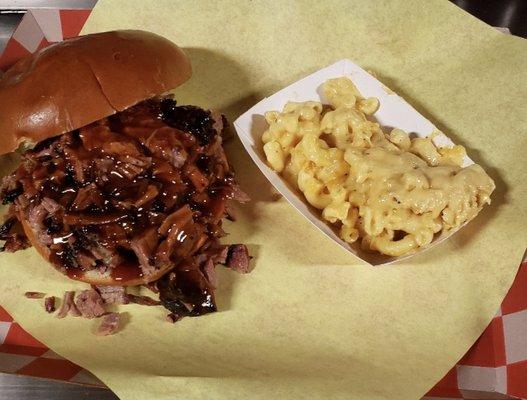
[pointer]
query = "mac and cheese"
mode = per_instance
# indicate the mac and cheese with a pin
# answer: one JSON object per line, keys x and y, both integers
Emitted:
{"x": 389, "y": 190}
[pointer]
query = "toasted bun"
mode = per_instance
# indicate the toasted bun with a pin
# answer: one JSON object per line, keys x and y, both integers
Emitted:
{"x": 93, "y": 277}
{"x": 76, "y": 82}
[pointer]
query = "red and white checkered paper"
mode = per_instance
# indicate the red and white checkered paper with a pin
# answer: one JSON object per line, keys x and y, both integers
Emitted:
{"x": 494, "y": 368}
{"x": 38, "y": 29}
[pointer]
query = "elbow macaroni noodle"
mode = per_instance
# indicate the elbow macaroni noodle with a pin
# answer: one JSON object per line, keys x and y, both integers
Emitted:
{"x": 392, "y": 192}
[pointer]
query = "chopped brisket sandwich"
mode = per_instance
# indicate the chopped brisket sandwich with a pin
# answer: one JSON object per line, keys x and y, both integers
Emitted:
{"x": 121, "y": 186}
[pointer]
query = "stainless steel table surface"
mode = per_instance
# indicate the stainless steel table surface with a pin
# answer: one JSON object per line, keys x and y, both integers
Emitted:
{"x": 505, "y": 13}
{"x": 14, "y": 387}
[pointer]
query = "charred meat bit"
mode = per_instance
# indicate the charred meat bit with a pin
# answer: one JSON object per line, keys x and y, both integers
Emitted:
{"x": 173, "y": 318}
{"x": 49, "y": 304}
{"x": 187, "y": 294}
{"x": 189, "y": 119}
{"x": 109, "y": 324}
{"x": 7, "y": 226}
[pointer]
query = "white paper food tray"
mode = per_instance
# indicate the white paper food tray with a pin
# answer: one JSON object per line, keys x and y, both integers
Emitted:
{"x": 394, "y": 112}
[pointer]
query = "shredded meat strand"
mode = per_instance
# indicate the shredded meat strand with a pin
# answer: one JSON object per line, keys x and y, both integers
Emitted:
{"x": 68, "y": 306}
{"x": 142, "y": 300}
{"x": 34, "y": 295}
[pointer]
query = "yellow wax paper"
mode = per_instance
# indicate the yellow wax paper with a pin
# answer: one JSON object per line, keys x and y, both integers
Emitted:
{"x": 311, "y": 321}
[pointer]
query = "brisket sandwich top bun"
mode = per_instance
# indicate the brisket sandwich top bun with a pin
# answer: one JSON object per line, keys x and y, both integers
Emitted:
{"x": 74, "y": 83}
{"x": 123, "y": 186}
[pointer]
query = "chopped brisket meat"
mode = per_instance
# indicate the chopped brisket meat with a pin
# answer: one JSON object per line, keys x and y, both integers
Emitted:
{"x": 11, "y": 189}
{"x": 34, "y": 295}
{"x": 88, "y": 196}
{"x": 210, "y": 273}
{"x": 49, "y": 304}
{"x": 90, "y": 304}
{"x": 239, "y": 195}
{"x": 219, "y": 124}
{"x": 51, "y": 205}
{"x": 9, "y": 221}
{"x": 109, "y": 324}
{"x": 186, "y": 293}
{"x": 198, "y": 122}
{"x": 68, "y": 306}
{"x": 112, "y": 294}
{"x": 142, "y": 190}
{"x": 238, "y": 258}
{"x": 15, "y": 242}
{"x": 12, "y": 233}
{"x": 143, "y": 246}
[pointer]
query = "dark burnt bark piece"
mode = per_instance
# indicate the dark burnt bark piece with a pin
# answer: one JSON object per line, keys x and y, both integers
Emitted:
{"x": 187, "y": 293}
{"x": 190, "y": 119}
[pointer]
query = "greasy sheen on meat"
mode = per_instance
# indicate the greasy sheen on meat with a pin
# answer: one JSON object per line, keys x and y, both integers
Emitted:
{"x": 144, "y": 189}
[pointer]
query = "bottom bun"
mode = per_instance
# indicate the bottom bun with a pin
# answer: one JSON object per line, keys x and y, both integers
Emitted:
{"x": 93, "y": 277}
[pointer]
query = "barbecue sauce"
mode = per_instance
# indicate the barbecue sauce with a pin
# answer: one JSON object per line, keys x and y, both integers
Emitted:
{"x": 97, "y": 178}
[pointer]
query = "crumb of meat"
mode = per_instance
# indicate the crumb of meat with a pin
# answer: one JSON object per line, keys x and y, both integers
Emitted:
{"x": 49, "y": 304}
{"x": 239, "y": 195}
{"x": 90, "y": 304}
{"x": 68, "y": 306}
{"x": 238, "y": 258}
{"x": 173, "y": 318}
{"x": 109, "y": 324}
{"x": 112, "y": 294}
{"x": 34, "y": 295}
